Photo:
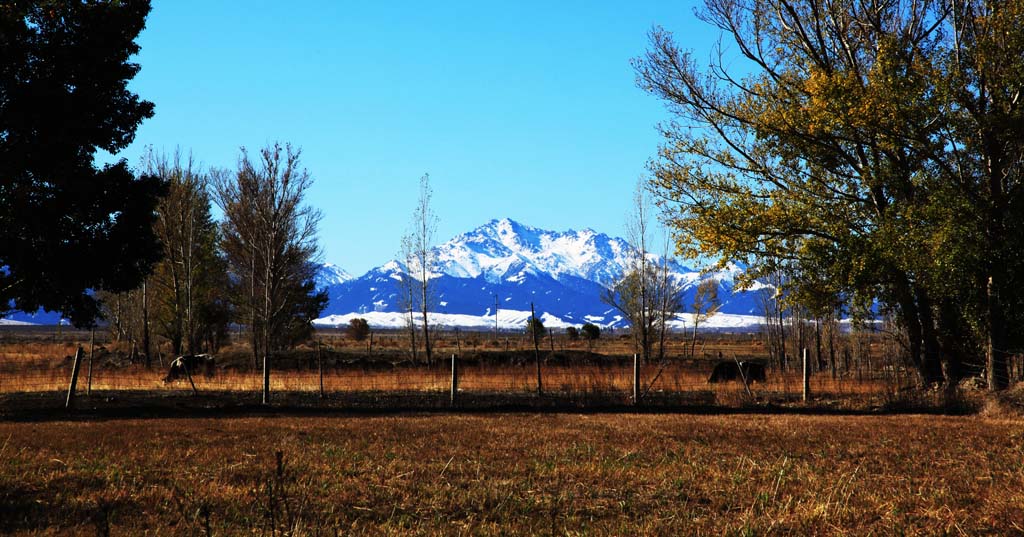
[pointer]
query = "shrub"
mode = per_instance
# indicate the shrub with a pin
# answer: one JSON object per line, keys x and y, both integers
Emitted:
{"x": 591, "y": 331}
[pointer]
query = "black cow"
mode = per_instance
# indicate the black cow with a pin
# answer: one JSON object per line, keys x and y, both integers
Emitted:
{"x": 190, "y": 364}
{"x": 726, "y": 371}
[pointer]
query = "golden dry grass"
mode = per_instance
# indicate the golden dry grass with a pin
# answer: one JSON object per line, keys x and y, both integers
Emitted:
{"x": 563, "y": 379}
{"x": 557, "y": 474}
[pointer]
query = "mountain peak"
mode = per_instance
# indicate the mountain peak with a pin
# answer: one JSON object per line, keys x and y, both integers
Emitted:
{"x": 330, "y": 274}
{"x": 562, "y": 273}
{"x": 495, "y": 248}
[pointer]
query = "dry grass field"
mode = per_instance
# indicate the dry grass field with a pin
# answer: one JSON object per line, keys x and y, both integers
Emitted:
{"x": 546, "y": 474}
{"x": 143, "y": 457}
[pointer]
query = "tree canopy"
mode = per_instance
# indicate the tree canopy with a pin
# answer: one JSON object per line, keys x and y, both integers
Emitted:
{"x": 69, "y": 226}
{"x": 870, "y": 150}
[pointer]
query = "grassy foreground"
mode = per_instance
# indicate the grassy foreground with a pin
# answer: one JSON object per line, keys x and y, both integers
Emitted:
{"x": 563, "y": 474}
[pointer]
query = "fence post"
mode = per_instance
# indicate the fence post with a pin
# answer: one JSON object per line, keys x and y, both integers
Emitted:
{"x": 807, "y": 377}
{"x": 636, "y": 379}
{"x": 536, "y": 348}
{"x": 188, "y": 373}
{"x": 266, "y": 378}
{"x": 455, "y": 379}
{"x": 70, "y": 403}
{"x": 320, "y": 365}
{"x": 92, "y": 351}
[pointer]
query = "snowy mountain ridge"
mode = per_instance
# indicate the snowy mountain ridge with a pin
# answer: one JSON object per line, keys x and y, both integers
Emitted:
{"x": 330, "y": 274}
{"x": 506, "y": 266}
{"x": 563, "y": 274}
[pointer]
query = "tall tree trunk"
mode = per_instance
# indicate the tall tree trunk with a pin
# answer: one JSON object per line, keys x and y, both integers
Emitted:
{"x": 832, "y": 345}
{"x": 950, "y": 335}
{"x": 817, "y": 344}
{"x": 931, "y": 358}
{"x": 782, "y": 336}
{"x": 426, "y": 334}
{"x": 412, "y": 334}
{"x": 145, "y": 324}
{"x": 996, "y": 355}
{"x": 912, "y": 320}
{"x": 252, "y": 310}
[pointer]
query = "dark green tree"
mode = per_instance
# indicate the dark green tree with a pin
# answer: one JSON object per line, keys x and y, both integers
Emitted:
{"x": 590, "y": 332}
{"x": 69, "y": 226}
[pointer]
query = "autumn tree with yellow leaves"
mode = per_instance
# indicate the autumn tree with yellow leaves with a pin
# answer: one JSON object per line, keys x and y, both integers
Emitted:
{"x": 872, "y": 150}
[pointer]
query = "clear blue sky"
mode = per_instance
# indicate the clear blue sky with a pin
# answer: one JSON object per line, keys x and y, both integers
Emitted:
{"x": 526, "y": 110}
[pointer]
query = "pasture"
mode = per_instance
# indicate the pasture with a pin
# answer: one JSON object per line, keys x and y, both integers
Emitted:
{"x": 335, "y": 371}
{"x": 521, "y": 473}
{"x": 385, "y": 451}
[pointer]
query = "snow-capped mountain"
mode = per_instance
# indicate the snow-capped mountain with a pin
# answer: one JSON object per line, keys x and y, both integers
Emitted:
{"x": 330, "y": 274}
{"x": 562, "y": 273}
{"x": 505, "y": 266}
{"x": 503, "y": 248}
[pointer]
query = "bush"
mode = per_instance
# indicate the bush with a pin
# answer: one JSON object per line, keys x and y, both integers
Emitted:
{"x": 591, "y": 332}
{"x": 358, "y": 329}
{"x": 573, "y": 333}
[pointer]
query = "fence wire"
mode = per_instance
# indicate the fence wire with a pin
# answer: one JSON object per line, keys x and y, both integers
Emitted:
{"x": 614, "y": 380}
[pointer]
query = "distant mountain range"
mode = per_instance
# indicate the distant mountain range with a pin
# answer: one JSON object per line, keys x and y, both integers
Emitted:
{"x": 562, "y": 273}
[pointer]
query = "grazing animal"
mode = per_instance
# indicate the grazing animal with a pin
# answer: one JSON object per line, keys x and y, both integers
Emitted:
{"x": 726, "y": 371}
{"x": 190, "y": 364}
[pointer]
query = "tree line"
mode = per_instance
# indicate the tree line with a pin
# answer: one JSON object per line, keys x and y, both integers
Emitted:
{"x": 255, "y": 267}
{"x": 139, "y": 248}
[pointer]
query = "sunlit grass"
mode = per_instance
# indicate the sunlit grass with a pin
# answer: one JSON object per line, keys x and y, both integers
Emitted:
{"x": 516, "y": 474}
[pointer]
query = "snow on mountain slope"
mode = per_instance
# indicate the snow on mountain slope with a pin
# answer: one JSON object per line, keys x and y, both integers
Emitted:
{"x": 516, "y": 320}
{"x": 330, "y": 274}
{"x": 501, "y": 248}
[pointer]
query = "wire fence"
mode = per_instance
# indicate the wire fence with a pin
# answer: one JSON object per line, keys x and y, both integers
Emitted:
{"x": 616, "y": 379}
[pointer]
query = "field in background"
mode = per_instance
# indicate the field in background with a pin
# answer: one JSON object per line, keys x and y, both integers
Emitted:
{"x": 548, "y": 474}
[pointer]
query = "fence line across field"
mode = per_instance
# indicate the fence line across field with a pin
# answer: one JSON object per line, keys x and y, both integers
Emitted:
{"x": 629, "y": 381}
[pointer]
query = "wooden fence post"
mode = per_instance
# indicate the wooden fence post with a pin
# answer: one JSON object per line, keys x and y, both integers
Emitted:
{"x": 536, "y": 349}
{"x": 743, "y": 376}
{"x": 320, "y": 364}
{"x": 266, "y": 378}
{"x": 807, "y": 377}
{"x": 455, "y": 380}
{"x": 92, "y": 351}
{"x": 70, "y": 403}
{"x": 636, "y": 379}
{"x": 188, "y": 373}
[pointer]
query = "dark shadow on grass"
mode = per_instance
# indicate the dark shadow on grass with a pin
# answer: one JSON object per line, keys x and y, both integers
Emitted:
{"x": 117, "y": 405}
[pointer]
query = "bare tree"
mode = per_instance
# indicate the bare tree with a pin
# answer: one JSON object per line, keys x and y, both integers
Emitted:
{"x": 408, "y": 288}
{"x": 189, "y": 281}
{"x": 646, "y": 294}
{"x": 705, "y": 305}
{"x": 420, "y": 241}
{"x": 270, "y": 241}
{"x": 668, "y": 297}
